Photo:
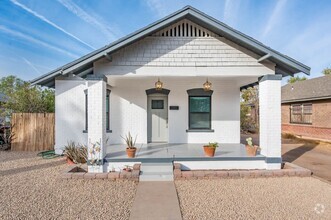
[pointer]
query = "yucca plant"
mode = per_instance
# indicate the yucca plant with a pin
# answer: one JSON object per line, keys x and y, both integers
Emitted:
{"x": 76, "y": 152}
{"x": 129, "y": 140}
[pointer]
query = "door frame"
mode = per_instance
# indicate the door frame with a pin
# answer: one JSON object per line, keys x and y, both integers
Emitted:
{"x": 156, "y": 93}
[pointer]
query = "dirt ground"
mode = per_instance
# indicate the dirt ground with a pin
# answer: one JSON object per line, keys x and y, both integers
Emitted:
{"x": 312, "y": 155}
{"x": 255, "y": 198}
{"x": 30, "y": 189}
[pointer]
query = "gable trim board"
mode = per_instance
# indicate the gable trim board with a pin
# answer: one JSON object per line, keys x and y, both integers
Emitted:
{"x": 284, "y": 64}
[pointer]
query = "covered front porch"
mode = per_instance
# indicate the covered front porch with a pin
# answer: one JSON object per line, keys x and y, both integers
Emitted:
{"x": 130, "y": 110}
{"x": 190, "y": 156}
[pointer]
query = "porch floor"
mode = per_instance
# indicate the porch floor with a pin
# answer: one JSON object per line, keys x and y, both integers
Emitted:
{"x": 165, "y": 152}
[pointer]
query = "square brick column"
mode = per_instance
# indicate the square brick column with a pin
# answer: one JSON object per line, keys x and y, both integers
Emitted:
{"x": 270, "y": 119}
{"x": 96, "y": 111}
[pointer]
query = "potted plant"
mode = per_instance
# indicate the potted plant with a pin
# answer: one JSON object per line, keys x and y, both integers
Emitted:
{"x": 130, "y": 149}
{"x": 210, "y": 149}
{"x": 251, "y": 149}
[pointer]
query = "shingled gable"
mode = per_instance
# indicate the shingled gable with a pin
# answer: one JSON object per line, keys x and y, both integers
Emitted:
{"x": 84, "y": 65}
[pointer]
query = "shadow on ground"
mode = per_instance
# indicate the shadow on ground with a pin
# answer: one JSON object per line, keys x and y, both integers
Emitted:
{"x": 31, "y": 168}
{"x": 297, "y": 152}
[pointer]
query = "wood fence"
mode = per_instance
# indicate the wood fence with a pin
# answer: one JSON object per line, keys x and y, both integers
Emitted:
{"x": 32, "y": 131}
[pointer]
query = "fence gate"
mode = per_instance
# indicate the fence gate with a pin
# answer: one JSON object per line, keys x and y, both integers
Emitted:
{"x": 32, "y": 131}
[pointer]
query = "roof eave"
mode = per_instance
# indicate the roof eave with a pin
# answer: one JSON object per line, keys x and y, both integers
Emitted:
{"x": 212, "y": 23}
{"x": 200, "y": 18}
{"x": 306, "y": 99}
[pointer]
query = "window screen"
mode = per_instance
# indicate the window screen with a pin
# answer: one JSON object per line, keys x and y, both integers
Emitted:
{"x": 107, "y": 110}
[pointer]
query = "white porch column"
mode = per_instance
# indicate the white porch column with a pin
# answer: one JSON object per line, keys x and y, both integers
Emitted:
{"x": 270, "y": 119}
{"x": 96, "y": 111}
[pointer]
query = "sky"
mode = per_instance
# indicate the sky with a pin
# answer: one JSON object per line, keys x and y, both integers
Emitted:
{"x": 37, "y": 36}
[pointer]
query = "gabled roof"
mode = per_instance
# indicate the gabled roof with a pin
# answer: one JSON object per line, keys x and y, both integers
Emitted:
{"x": 312, "y": 89}
{"x": 284, "y": 64}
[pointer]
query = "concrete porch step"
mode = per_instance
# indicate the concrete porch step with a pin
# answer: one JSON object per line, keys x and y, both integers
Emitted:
{"x": 156, "y": 172}
{"x": 157, "y": 167}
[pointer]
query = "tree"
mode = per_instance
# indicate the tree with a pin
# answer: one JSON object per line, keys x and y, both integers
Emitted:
{"x": 250, "y": 96}
{"x": 245, "y": 119}
{"x": 327, "y": 71}
{"x": 21, "y": 96}
{"x": 293, "y": 79}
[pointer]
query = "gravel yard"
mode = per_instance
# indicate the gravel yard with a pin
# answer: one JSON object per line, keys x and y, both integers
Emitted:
{"x": 30, "y": 189}
{"x": 262, "y": 198}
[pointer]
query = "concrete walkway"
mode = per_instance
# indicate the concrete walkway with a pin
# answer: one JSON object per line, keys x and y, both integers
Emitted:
{"x": 156, "y": 200}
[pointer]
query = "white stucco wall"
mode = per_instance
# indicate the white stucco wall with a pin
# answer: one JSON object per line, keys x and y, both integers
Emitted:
{"x": 69, "y": 112}
{"x": 129, "y": 110}
{"x": 169, "y": 57}
{"x": 182, "y": 63}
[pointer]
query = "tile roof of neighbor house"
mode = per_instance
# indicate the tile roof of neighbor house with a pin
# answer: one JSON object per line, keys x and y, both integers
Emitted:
{"x": 312, "y": 89}
{"x": 284, "y": 65}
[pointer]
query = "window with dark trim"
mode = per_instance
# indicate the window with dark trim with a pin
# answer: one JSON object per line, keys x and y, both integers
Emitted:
{"x": 199, "y": 112}
{"x": 107, "y": 110}
{"x": 86, "y": 110}
{"x": 301, "y": 113}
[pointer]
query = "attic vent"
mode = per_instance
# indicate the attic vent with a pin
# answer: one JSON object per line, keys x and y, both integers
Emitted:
{"x": 185, "y": 28}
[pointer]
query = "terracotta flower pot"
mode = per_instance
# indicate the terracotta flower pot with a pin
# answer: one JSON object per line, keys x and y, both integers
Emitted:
{"x": 131, "y": 152}
{"x": 69, "y": 161}
{"x": 209, "y": 151}
{"x": 251, "y": 151}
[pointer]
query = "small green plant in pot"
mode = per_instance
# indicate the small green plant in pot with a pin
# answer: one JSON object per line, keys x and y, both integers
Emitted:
{"x": 130, "y": 149}
{"x": 210, "y": 149}
{"x": 251, "y": 149}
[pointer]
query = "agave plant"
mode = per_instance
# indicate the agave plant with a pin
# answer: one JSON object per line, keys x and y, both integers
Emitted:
{"x": 214, "y": 145}
{"x": 76, "y": 152}
{"x": 129, "y": 140}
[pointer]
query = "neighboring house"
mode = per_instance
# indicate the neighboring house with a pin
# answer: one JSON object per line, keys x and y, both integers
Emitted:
{"x": 116, "y": 89}
{"x": 306, "y": 108}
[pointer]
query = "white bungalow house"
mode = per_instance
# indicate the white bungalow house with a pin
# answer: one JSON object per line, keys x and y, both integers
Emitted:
{"x": 111, "y": 91}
